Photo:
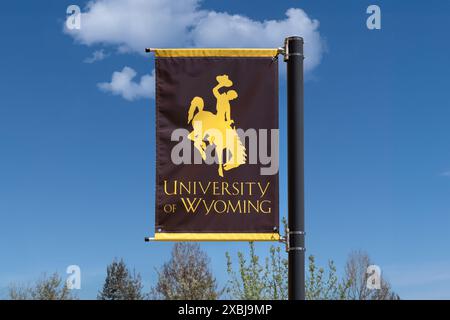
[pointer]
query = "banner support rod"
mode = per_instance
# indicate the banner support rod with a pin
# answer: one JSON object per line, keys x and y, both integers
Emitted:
{"x": 293, "y": 56}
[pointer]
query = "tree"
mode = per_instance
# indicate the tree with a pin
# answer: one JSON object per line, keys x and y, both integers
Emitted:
{"x": 269, "y": 281}
{"x": 186, "y": 276}
{"x": 357, "y": 276}
{"x": 46, "y": 288}
{"x": 255, "y": 281}
{"x": 120, "y": 283}
{"x": 321, "y": 285}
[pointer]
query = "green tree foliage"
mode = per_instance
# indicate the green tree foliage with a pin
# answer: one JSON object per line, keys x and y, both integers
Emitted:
{"x": 256, "y": 281}
{"x": 186, "y": 276}
{"x": 325, "y": 285}
{"x": 120, "y": 283}
{"x": 46, "y": 288}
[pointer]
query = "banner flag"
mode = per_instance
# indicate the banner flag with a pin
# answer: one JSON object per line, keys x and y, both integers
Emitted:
{"x": 217, "y": 151}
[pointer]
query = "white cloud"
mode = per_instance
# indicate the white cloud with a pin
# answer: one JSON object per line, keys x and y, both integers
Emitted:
{"x": 136, "y": 24}
{"x": 122, "y": 84}
{"x": 132, "y": 25}
{"x": 225, "y": 30}
{"x": 97, "y": 55}
{"x": 446, "y": 173}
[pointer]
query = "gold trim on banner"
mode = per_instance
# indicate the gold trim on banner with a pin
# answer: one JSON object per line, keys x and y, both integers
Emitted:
{"x": 235, "y": 52}
{"x": 166, "y": 236}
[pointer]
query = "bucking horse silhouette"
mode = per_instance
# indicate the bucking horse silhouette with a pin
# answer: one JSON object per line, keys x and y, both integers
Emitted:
{"x": 217, "y": 129}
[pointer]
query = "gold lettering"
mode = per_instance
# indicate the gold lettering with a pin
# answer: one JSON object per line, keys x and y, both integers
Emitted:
{"x": 189, "y": 205}
{"x": 263, "y": 191}
{"x": 174, "y": 188}
{"x": 269, "y": 210}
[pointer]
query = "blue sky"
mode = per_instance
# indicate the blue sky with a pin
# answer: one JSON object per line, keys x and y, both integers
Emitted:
{"x": 77, "y": 173}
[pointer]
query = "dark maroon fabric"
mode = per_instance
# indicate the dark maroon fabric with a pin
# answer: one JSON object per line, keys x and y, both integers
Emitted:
{"x": 178, "y": 80}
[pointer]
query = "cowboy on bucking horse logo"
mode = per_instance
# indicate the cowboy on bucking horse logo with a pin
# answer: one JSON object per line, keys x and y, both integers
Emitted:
{"x": 217, "y": 129}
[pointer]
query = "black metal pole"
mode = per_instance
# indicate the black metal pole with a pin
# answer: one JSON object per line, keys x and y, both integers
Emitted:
{"x": 296, "y": 206}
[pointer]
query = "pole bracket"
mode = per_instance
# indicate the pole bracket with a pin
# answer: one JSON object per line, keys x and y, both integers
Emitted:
{"x": 286, "y": 240}
{"x": 285, "y": 51}
{"x": 296, "y": 249}
{"x": 296, "y": 232}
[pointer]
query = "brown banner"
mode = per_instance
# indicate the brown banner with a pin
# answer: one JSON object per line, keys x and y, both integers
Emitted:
{"x": 216, "y": 124}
